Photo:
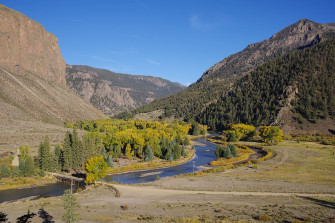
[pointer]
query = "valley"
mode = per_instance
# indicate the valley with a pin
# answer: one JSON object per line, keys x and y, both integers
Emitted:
{"x": 252, "y": 140}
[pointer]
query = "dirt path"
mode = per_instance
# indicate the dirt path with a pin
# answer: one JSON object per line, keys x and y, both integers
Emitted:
{"x": 283, "y": 160}
{"x": 127, "y": 189}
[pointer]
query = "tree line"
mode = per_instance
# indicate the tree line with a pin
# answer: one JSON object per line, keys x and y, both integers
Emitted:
{"x": 257, "y": 97}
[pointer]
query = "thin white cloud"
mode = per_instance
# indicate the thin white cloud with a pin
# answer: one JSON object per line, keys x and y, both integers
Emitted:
{"x": 153, "y": 62}
{"x": 198, "y": 24}
{"x": 187, "y": 84}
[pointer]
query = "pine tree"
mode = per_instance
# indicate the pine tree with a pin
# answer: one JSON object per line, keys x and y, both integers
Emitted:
{"x": 109, "y": 161}
{"x": 57, "y": 154}
{"x": 71, "y": 206}
{"x": 183, "y": 152}
{"x": 5, "y": 171}
{"x": 67, "y": 152}
{"x": 29, "y": 167}
{"x": 43, "y": 156}
{"x": 22, "y": 167}
{"x": 77, "y": 151}
{"x": 226, "y": 152}
{"x": 233, "y": 150}
{"x": 16, "y": 172}
{"x": 149, "y": 156}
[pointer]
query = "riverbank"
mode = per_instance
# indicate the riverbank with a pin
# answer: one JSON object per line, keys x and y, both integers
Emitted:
{"x": 25, "y": 182}
{"x": 156, "y": 164}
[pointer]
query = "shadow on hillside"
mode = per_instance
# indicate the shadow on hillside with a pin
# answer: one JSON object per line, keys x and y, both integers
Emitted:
{"x": 331, "y": 131}
{"x": 322, "y": 203}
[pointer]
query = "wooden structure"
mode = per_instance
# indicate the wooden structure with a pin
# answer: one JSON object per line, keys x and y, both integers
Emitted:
{"x": 68, "y": 179}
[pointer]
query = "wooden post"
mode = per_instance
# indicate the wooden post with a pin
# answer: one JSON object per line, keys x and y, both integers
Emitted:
{"x": 193, "y": 167}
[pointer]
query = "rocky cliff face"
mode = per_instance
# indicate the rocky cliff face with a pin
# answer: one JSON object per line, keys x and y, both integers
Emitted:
{"x": 27, "y": 47}
{"x": 113, "y": 93}
{"x": 32, "y": 76}
{"x": 303, "y": 33}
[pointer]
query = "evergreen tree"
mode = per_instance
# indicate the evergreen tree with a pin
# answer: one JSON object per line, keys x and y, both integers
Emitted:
{"x": 67, "y": 151}
{"x": 183, "y": 152}
{"x": 77, "y": 151}
{"x": 218, "y": 151}
{"x": 233, "y": 150}
{"x": 226, "y": 152}
{"x": 109, "y": 161}
{"x": 149, "y": 156}
{"x": 103, "y": 153}
{"x": 71, "y": 206}
{"x": 16, "y": 172}
{"x": 29, "y": 167}
{"x": 170, "y": 158}
{"x": 176, "y": 152}
{"x": 5, "y": 171}
{"x": 22, "y": 167}
{"x": 58, "y": 155}
{"x": 43, "y": 156}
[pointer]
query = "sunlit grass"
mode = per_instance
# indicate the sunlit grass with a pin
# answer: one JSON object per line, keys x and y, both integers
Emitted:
{"x": 306, "y": 162}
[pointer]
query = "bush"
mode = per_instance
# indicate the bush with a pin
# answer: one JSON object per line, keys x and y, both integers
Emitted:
{"x": 124, "y": 207}
{"x": 263, "y": 218}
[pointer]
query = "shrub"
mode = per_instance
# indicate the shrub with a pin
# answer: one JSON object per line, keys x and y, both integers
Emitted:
{"x": 124, "y": 207}
{"x": 263, "y": 218}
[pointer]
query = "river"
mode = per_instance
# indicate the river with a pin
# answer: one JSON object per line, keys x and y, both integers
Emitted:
{"x": 203, "y": 155}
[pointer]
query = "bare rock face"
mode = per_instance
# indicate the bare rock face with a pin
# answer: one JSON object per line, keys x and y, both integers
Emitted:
{"x": 299, "y": 35}
{"x": 113, "y": 93}
{"x": 26, "y": 47}
{"x": 32, "y": 76}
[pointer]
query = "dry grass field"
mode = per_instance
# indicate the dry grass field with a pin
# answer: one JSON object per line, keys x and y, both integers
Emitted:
{"x": 281, "y": 189}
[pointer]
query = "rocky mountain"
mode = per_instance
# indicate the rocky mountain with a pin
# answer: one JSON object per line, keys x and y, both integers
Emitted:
{"x": 27, "y": 47}
{"x": 295, "y": 91}
{"x": 113, "y": 93}
{"x": 32, "y": 77}
{"x": 214, "y": 82}
{"x": 299, "y": 35}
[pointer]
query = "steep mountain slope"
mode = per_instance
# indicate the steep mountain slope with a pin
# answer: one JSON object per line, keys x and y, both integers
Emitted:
{"x": 217, "y": 79}
{"x": 112, "y": 92}
{"x": 27, "y": 47}
{"x": 288, "y": 91}
{"x": 32, "y": 77}
{"x": 299, "y": 35}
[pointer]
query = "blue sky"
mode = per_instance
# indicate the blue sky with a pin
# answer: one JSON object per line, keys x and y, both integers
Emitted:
{"x": 174, "y": 39}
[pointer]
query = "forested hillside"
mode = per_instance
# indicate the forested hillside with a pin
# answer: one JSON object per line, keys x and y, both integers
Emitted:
{"x": 303, "y": 80}
{"x": 189, "y": 103}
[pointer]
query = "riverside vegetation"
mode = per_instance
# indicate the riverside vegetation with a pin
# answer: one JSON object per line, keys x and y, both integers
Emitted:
{"x": 108, "y": 141}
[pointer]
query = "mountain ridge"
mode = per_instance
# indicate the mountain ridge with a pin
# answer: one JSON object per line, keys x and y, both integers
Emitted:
{"x": 216, "y": 80}
{"x": 113, "y": 92}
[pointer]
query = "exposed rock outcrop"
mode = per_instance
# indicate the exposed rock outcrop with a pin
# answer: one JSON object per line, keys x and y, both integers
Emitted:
{"x": 303, "y": 33}
{"x": 113, "y": 93}
{"x": 27, "y": 47}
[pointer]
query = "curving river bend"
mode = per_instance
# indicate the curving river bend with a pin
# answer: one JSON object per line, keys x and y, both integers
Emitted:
{"x": 203, "y": 155}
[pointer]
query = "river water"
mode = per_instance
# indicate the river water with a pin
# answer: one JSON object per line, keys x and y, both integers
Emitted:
{"x": 203, "y": 155}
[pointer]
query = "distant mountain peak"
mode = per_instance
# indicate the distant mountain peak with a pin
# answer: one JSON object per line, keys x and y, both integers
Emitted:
{"x": 301, "y": 27}
{"x": 303, "y": 33}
